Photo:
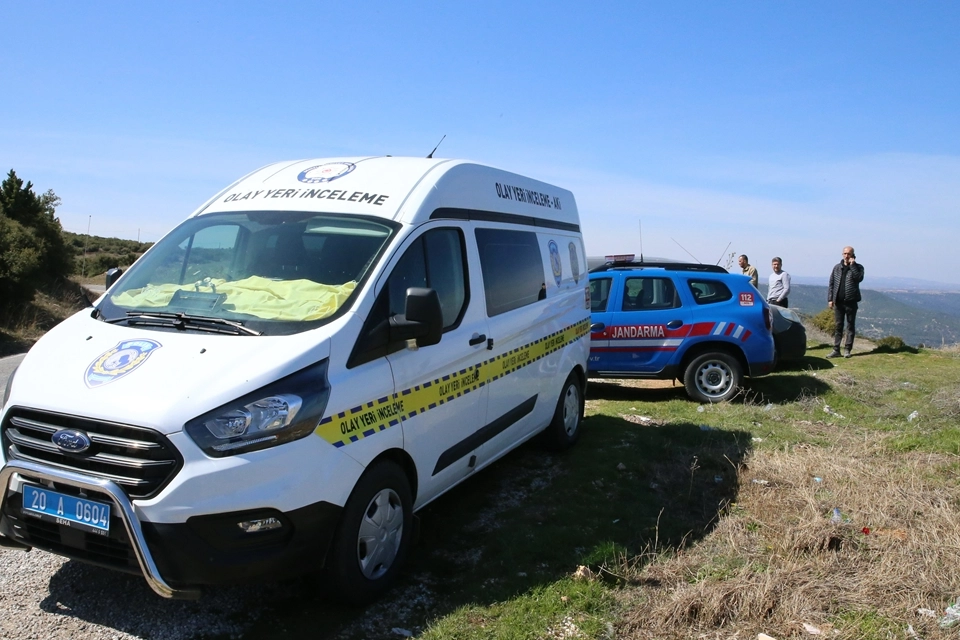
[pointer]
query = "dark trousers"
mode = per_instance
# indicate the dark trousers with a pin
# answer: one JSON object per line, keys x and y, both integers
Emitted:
{"x": 844, "y": 311}
{"x": 779, "y": 303}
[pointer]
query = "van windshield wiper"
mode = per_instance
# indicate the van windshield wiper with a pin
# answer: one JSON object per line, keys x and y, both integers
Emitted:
{"x": 183, "y": 322}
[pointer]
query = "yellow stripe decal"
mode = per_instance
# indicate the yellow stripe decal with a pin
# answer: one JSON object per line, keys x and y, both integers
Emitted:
{"x": 340, "y": 429}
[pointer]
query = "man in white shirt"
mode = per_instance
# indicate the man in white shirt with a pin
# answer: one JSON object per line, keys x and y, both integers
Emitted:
{"x": 778, "y": 286}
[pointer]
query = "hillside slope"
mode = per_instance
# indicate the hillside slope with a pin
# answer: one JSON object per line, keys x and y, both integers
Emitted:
{"x": 941, "y": 301}
{"x": 883, "y": 315}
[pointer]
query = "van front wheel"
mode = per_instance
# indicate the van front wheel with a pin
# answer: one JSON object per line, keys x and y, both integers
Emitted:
{"x": 713, "y": 377}
{"x": 564, "y": 429}
{"x": 374, "y": 534}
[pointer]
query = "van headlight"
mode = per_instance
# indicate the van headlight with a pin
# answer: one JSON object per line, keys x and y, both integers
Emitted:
{"x": 282, "y": 411}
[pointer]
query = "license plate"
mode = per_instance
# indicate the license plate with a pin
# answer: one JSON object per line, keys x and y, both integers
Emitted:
{"x": 70, "y": 511}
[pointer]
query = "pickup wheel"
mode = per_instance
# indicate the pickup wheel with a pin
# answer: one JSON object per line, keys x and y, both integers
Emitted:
{"x": 373, "y": 536}
{"x": 712, "y": 377}
{"x": 564, "y": 430}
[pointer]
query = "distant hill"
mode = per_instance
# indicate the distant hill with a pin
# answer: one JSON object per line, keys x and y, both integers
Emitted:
{"x": 881, "y": 314}
{"x": 946, "y": 302}
{"x": 95, "y": 254}
{"x": 886, "y": 284}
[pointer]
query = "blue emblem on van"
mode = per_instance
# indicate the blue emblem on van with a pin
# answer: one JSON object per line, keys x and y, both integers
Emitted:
{"x": 119, "y": 361}
{"x": 326, "y": 172}
{"x": 555, "y": 263}
{"x": 71, "y": 440}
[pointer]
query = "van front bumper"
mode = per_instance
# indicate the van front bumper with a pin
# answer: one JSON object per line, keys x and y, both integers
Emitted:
{"x": 174, "y": 558}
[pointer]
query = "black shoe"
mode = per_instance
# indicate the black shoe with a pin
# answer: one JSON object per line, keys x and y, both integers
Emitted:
{"x": 834, "y": 354}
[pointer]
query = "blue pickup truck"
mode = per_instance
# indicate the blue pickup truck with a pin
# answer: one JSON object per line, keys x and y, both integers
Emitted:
{"x": 691, "y": 322}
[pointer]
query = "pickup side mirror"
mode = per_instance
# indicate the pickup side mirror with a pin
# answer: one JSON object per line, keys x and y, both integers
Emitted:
{"x": 113, "y": 275}
{"x": 422, "y": 320}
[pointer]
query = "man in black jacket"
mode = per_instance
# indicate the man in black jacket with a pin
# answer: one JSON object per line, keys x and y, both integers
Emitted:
{"x": 843, "y": 294}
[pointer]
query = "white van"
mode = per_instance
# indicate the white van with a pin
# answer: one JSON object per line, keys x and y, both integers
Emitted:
{"x": 284, "y": 379}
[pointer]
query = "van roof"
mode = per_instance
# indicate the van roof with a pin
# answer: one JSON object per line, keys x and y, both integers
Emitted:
{"x": 403, "y": 189}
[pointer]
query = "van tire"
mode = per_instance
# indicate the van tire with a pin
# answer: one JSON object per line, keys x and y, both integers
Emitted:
{"x": 374, "y": 534}
{"x": 713, "y": 377}
{"x": 564, "y": 430}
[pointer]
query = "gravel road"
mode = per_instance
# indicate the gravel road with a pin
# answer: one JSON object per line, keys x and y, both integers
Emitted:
{"x": 46, "y": 597}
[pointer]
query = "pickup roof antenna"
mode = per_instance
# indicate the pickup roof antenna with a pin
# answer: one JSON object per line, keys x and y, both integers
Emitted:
{"x": 640, "y": 223}
{"x": 436, "y": 147}
{"x": 724, "y": 253}
{"x": 688, "y": 253}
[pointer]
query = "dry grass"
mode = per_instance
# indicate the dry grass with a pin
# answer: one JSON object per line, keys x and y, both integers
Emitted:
{"x": 947, "y": 401}
{"x": 950, "y": 349}
{"x": 776, "y": 561}
{"x": 22, "y": 325}
{"x": 816, "y": 336}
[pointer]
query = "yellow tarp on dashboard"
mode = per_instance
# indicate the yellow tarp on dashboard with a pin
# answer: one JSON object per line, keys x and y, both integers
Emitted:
{"x": 298, "y": 300}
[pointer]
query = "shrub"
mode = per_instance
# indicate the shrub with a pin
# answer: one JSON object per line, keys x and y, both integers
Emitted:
{"x": 32, "y": 248}
{"x": 97, "y": 254}
{"x": 824, "y": 321}
{"x": 893, "y": 344}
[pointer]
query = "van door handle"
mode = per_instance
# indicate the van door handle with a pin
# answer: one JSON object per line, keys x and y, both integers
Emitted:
{"x": 474, "y": 341}
{"x": 674, "y": 324}
{"x": 597, "y": 326}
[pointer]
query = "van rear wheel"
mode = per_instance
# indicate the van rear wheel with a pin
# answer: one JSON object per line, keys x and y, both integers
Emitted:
{"x": 374, "y": 534}
{"x": 564, "y": 430}
{"x": 713, "y": 377}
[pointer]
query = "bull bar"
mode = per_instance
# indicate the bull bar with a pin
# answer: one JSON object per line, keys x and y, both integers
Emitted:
{"x": 124, "y": 510}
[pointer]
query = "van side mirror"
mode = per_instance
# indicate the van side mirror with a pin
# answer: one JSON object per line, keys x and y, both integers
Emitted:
{"x": 113, "y": 275}
{"x": 422, "y": 320}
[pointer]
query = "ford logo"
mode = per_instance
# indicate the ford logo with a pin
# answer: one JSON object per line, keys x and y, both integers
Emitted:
{"x": 71, "y": 440}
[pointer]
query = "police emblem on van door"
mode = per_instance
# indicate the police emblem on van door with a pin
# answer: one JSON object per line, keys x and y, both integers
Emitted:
{"x": 574, "y": 262}
{"x": 119, "y": 361}
{"x": 326, "y": 172}
{"x": 71, "y": 440}
{"x": 555, "y": 263}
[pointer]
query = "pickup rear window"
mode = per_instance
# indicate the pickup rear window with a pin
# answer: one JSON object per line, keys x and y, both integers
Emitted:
{"x": 709, "y": 291}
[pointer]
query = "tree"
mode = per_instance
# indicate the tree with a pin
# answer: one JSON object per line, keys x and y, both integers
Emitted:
{"x": 32, "y": 249}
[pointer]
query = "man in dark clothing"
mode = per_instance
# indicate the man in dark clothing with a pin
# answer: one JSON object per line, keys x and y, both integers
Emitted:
{"x": 843, "y": 294}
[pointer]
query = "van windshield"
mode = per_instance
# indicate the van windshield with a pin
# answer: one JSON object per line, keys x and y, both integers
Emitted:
{"x": 272, "y": 271}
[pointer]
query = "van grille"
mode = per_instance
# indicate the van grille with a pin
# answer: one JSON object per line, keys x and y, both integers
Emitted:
{"x": 141, "y": 461}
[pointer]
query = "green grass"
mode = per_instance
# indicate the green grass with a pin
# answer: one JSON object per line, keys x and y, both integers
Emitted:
{"x": 641, "y": 498}
{"x": 562, "y": 609}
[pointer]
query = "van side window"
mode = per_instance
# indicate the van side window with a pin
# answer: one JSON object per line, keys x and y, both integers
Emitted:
{"x": 599, "y": 294}
{"x": 709, "y": 291}
{"x": 649, "y": 294}
{"x": 512, "y": 269}
{"x": 436, "y": 260}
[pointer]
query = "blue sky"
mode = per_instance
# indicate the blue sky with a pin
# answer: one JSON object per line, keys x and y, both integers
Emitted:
{"x": 766, "y": 128}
